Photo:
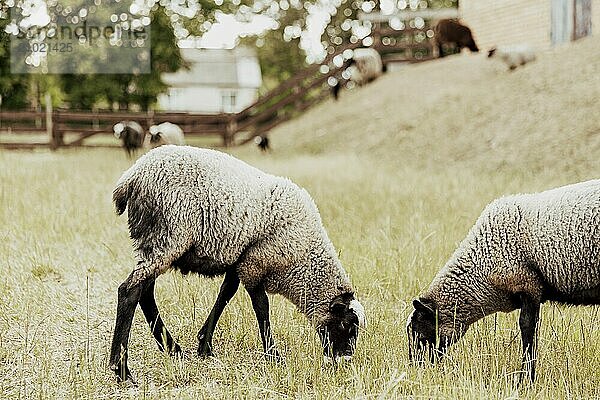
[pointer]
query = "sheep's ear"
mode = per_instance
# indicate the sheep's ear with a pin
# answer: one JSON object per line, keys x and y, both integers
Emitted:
{"x": 339, "y": 305}
{"x": 423, "y": 306}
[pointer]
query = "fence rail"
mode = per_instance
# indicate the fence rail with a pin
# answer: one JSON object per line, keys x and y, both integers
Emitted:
{"x": 67, "y": 128}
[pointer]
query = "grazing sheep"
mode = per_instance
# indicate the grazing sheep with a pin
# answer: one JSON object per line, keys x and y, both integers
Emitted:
{"x": 523, "y": 250}
{"x": 131, "y": 134}
{"x": 513, "y": 56}
{"x": 262, "y": 141}
{"x": 165, "y": 133}
{"x": 203, "y": 211}
{"x": 364, "y": 66}
{"x": 450, "y": 31}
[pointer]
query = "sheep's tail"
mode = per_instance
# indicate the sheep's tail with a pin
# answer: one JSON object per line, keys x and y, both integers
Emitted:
{"x": 121, "y": 195}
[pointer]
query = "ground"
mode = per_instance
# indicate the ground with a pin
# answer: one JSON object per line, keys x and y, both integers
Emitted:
{"x": 400, "y": 170}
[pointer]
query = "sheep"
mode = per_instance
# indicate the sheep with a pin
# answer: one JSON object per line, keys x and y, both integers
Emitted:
{"x": 364, "y": 66}
{"x": 451, "y": 31}
{"x": 513, "y": 56}
{"x": 262, "y": 141}
{"x": 165, "y": 133}
{"x": 206, "y": 212}
{"x": 522, "y": 251}
{"x": 131, "y": 134}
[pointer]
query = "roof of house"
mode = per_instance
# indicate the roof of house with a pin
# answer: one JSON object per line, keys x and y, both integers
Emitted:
{"x": 234, "y": 68}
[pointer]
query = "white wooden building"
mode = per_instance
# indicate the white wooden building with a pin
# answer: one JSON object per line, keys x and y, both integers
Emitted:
{"x": 218, "y": 80}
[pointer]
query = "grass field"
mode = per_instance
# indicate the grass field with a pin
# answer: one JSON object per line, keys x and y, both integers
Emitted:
{"x": 397, "y": 191}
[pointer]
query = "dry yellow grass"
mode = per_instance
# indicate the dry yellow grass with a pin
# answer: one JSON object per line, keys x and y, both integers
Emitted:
{"x": 400, "y": 170}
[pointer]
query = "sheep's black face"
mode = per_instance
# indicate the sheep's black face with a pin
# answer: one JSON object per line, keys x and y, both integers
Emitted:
{"x": 340, "y": 333}
{"x": 421, "y": 330}
{"x": 431, "y": 332}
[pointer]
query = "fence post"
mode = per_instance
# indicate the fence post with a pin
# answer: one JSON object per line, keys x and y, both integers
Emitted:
{"x": 149, "y": 120}
{"x": 230, "y": 130}
{"x": 50, "y": 123}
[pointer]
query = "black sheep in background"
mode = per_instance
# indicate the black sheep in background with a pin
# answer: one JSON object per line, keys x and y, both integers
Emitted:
{"x": 451, "y": 31}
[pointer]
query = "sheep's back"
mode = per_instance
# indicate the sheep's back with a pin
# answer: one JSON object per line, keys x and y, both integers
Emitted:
{"x": 448, "y": 31}
{"x": 183, "y": 196}
{"x": 561, "y": 235}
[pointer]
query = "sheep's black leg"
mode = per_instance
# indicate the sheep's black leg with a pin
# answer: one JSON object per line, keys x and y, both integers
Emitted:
{"x": 528, "y": 321}
{"x": 228, "y": 288}
{"x": 440, "y": 50}
{"x": 260, "y": 303}
{"x": 157, "y": 326}
{"x": 129, "y": 295}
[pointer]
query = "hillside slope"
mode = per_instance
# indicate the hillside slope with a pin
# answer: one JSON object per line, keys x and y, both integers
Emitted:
{"x": 466, "y": 108}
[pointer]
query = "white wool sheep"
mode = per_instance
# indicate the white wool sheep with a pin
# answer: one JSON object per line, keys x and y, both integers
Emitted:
{"x": 513, "y": 56}
{"x": 523, "y": 250}
{"x": 365, "y": 66}
{"x": 206, "y": 212}
{"x": 165, "y": 133}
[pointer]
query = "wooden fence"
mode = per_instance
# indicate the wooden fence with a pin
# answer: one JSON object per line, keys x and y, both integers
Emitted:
{"x": 67, "y": 128}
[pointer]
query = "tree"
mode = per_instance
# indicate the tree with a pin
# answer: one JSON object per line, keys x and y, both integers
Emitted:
{"x": 165, "y": 57}
{"x": 13, "y": 88}
{"x": 86, "y": 91}
{"x": 278, "y": 50}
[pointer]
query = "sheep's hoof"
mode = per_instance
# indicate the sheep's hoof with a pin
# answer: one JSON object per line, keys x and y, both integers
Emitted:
{"x": 274, "y": 356}
{"x": 176, "y": 351}
{"x": 205, "y": 350}
{"x": 525, "y": 378}
{"x": 123, "y": 375}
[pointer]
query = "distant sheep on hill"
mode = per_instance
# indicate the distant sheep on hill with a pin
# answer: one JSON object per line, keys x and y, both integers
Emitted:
{"x": 364, "y": 66}
{"x": 165, "y": 133}
{"x": 513, "y": 56}
{"x": 449, "y": 31}
{"x": 131, "y": 134}
{"x": 522, "y": 251}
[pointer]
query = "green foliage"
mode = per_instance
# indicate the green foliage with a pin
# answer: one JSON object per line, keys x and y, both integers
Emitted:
{"x": 13, "y": 88}
{"x": 280, "y": 55}
{"x": 88, "y": 91}
{"x": 126, "y": 90}
{"x": 166, "y": 57}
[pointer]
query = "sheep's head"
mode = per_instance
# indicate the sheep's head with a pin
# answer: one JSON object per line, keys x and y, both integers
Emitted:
{"x": 154, "y": 134}
{"x": 118, "y": 130}
{"x": 430, "y": 332}
{"x": 339, "y": 333}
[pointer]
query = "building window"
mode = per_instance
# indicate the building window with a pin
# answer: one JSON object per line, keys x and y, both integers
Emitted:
{"x": 228, "y": 101}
